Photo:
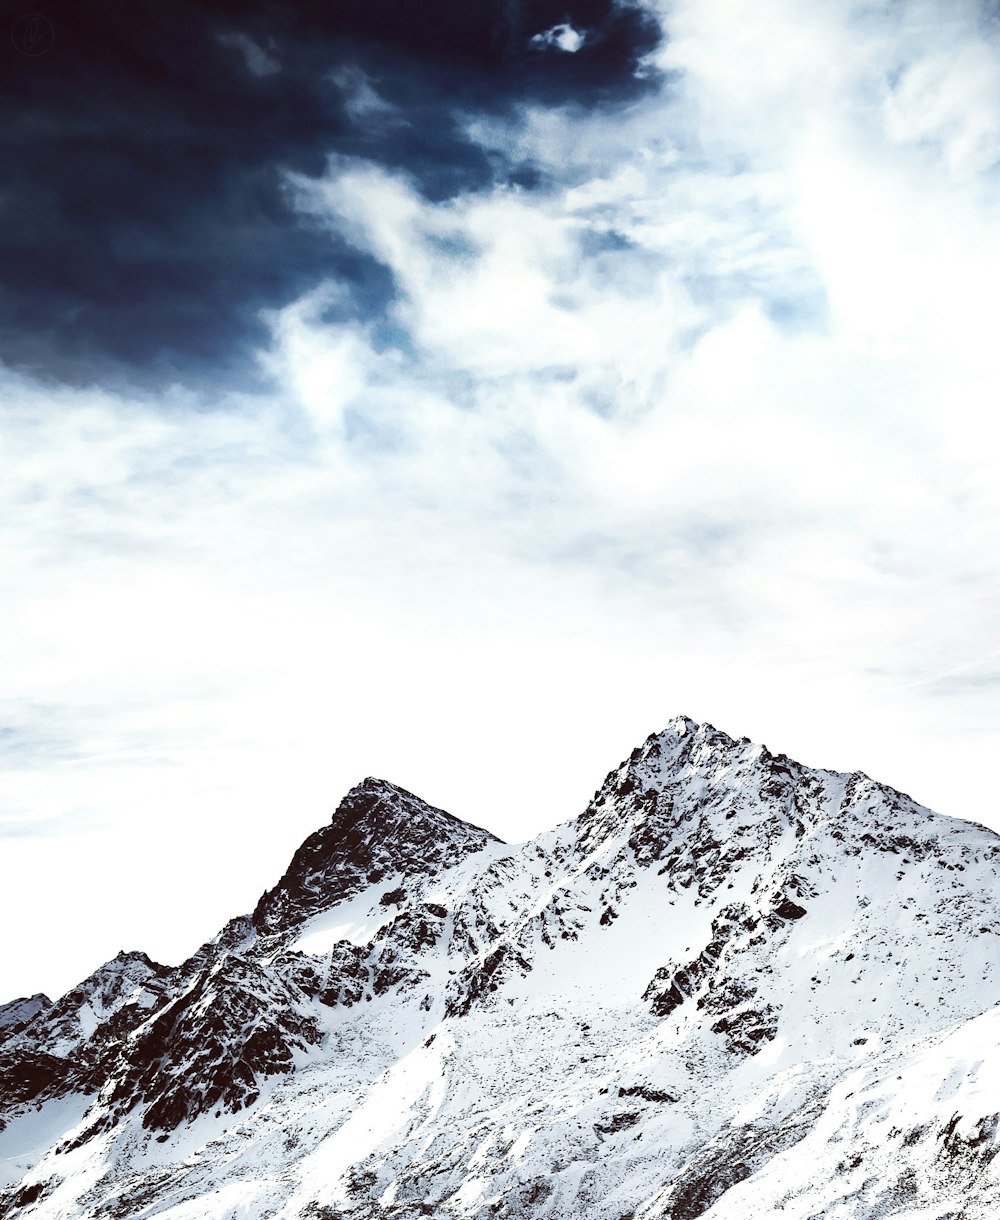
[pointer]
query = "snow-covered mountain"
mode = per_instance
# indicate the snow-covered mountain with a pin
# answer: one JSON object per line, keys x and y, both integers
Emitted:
{"x": 734, "y": 987}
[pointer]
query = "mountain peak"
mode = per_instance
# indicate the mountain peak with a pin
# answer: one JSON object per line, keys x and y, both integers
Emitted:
{"x": 378, "y": 830}
{"x": 683, "y": 742}
{"x": 131, "y": 957}
{"x": 380, "y": 798}
{"x": 684, "y": 733}
{"x": 681, "y": 725}
{"x": 375, "y": 785}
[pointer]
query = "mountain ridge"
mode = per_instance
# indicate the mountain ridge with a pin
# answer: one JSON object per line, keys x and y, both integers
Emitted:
{"x": 704, "y": 956}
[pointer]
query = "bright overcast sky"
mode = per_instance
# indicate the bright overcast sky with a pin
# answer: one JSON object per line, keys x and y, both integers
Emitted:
{"x": 457, "y": 400}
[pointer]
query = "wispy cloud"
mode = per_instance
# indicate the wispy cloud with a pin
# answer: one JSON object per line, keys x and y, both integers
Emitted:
{"x": 30, "y": 828}
{"x": 257, "y": 60}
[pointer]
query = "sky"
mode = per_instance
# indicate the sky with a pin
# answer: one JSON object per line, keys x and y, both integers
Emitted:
{"x": 456, "y": 393}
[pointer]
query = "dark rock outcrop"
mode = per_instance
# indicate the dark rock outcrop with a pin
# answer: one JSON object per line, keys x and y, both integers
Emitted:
{"x": 378, "y": 830}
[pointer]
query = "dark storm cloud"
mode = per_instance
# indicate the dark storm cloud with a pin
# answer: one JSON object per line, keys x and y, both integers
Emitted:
{"x": 144, "y": 220}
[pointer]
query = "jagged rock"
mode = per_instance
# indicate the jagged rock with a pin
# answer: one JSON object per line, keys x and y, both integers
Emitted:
{"x": 377, "y": 829}
{"x": 727, "y": 957}
{"x": 17, "y": 1014}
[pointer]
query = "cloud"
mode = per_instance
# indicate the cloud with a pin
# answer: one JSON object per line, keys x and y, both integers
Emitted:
{"x": 680, "y": 402}
{"x": 257, "y": 60}
{"x": 739, "y": 334}
{"x": 363, "y": 101}
{"x": 563, "y": 37}
{"x": 144, "y": 222}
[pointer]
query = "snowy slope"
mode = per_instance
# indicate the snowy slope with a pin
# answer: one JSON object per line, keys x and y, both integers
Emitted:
{"x": 16, "y": 1015}
{"x": 735, "y": 986}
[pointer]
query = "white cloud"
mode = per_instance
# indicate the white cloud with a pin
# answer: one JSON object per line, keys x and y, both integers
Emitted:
{"x": 563, "y": 37}
{"x": 363, "y": 101}
{"x": 705, "y": 425}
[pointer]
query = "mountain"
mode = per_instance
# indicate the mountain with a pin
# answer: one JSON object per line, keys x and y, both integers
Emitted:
{"x": 733, "y": 987}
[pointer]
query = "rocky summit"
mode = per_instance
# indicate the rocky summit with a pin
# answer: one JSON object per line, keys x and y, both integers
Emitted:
{"x": 734, "y": 987}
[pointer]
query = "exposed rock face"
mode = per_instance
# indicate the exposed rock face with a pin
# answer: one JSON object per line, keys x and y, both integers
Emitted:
{"x": 207, "y": 1049}
{"x": 378, "y": 831}
{"x": 18, "y": 1013}
{"x": 69, "y": 1046}
{"x": 729, "y": 966}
